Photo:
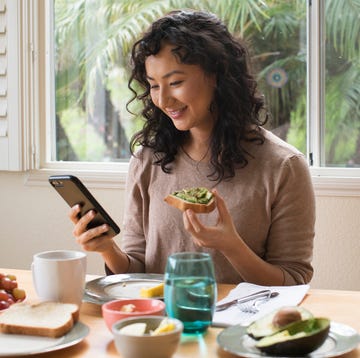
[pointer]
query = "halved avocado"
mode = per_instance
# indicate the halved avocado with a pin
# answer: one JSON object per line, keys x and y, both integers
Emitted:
{"x": 264, "y": 326}
{"x": 299, "y": 338}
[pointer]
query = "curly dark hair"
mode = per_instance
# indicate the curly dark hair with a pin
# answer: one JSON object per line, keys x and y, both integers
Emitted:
{"x": 200, "y": 39}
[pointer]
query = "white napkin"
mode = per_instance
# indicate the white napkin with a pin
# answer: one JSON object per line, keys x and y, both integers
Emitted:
{"x": 288, "y": 296}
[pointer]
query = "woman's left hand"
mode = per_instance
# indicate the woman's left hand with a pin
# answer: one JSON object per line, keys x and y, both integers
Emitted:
{"x": 223, "y": 236}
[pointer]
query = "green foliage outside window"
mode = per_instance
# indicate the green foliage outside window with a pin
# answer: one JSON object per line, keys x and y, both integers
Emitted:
{"x": 92, "y": 43}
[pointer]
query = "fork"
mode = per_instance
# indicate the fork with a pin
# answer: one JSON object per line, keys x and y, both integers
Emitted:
{"x": 254, "y": 306}
{"x": 253, "y": 296}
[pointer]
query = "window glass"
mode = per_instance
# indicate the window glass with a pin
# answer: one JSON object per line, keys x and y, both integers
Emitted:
{"x": 341, "y": 127}
{"x": 280, "y": 53}
{"x": 92, "y": 44}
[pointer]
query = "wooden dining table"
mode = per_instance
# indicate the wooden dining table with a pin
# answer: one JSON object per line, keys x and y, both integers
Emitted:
{"x": 340, "y": 306}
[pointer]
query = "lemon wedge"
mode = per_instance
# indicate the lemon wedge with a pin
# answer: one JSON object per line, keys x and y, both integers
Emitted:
{"x": 155, "y": 291}
{"x": 135, "y": 329}
{"x": 164, "y": 326}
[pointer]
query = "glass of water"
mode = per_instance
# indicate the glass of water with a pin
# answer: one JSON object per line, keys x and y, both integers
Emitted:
{"x": 190, "y": 290}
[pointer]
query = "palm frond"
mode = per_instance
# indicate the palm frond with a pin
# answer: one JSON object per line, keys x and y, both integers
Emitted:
{"x": 343, "y": 27}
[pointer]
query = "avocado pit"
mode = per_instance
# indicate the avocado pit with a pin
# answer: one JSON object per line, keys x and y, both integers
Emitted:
{"x": 286, "y": 316}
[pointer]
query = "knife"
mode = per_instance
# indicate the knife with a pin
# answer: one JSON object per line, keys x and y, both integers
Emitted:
{"x": 253, "y": 296}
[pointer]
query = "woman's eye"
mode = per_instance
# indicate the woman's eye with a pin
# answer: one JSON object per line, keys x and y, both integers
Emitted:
{"x": 175, "y": 83}
{"x": 154, "y": 87}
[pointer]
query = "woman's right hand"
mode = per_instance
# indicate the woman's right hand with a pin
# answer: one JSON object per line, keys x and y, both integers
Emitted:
{"x": 94, "y": 239}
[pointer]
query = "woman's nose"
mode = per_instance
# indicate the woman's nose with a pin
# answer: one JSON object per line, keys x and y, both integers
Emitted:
{"x": 163, "y": 98}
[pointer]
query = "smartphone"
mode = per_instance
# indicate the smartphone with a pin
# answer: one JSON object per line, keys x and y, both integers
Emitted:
{"x": 74, "y": 192}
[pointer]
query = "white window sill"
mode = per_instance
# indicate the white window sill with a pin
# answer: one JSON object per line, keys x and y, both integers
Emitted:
{"x": 107, "y": 179}
{"x": 336, "y": 186}
{"x": 327, "y": 182}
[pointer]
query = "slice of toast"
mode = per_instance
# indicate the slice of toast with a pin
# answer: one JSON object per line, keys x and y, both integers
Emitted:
{"x": 199, "y": 199}
{"x": 47, "y": 319}
{"x": 183, "y": 205}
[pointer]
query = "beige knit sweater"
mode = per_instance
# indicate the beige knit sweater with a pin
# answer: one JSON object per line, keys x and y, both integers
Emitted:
{"x": 271, "y": 201}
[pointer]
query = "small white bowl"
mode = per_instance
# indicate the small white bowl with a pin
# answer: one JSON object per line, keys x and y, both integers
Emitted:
{"x": 163, "y": 345}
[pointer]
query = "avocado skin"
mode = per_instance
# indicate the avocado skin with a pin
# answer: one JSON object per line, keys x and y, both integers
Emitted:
{"x": 315, "y": 337}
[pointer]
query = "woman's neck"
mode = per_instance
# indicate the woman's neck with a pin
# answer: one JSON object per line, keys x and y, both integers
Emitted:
{"x": 198, "y": 151}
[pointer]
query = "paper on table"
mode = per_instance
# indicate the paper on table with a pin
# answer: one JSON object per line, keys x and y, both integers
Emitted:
{"x": 288, "y": 296}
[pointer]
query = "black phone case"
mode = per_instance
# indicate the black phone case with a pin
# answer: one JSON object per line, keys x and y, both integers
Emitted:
{"x": 74, "y": 192}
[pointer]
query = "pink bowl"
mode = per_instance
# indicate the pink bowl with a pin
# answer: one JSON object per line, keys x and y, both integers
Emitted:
{"x": 111, "y": 311}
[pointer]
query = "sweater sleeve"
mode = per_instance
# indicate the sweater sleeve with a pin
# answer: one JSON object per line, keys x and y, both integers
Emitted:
{"x": 291, "y": 235}
{"x": 133, "y": 241}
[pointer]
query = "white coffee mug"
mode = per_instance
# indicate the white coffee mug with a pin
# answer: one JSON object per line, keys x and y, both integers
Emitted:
{"x": 59, "y": 275}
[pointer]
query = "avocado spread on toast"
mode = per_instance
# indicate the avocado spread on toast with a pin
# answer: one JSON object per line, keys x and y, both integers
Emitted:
{"x": 195, "y": 195}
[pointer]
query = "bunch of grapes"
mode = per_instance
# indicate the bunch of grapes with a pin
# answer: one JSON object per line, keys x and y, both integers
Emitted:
{"x": 9, "y": 291}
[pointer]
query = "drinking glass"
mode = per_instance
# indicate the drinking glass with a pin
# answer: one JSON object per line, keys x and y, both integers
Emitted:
{"x": 190, "y": 290}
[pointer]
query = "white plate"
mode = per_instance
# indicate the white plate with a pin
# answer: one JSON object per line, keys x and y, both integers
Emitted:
{"x": 12, "y": 345}
{"x": 113, "y": 287}
{"x": 342, "y": 339}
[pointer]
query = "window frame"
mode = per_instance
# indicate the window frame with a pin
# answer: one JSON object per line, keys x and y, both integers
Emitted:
{"x": 327, "y": 181}
{"x": 11, "y": 143}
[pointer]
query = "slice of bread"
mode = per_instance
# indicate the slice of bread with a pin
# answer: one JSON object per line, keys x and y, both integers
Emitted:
{"x": 199, "y": 199}
{"x": 47, "y": 319}
{"x": 183, "y": 205}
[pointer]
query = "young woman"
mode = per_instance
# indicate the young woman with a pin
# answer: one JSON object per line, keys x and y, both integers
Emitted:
{"x": 203, "y": 127}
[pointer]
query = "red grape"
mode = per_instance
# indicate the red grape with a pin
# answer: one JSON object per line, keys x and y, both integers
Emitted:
{"x": 4, "y": 304}
{"x": 8, "y": 284}
{"x": 9, "y": 291}
{"x": 3, "y": 295}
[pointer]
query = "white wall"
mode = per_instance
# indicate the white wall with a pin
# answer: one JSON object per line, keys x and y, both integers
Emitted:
{"x": 34, "y": 218}
{"x": 337, "y": 243}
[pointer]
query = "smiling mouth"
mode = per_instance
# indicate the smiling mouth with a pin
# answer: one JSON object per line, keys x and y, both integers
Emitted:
{"x": 176, "y": 113}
